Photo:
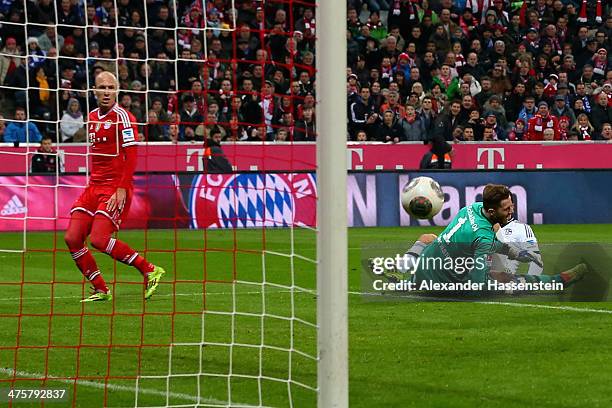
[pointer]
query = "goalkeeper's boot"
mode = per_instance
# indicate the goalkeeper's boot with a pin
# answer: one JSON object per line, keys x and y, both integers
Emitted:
{"x": 391, "y": 275}
{"x": 574, "y": 274}
{"x": 394, "y": 276}
{"x": 153, "y": 279}
{"x": 98, "y": 296}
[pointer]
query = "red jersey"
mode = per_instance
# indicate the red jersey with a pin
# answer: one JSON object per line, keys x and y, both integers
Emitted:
{"x": 113, "y": 141}
{"x": 537, "y": 124}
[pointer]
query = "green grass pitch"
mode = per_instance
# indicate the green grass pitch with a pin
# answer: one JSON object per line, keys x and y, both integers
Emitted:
{"x": 402, "y": 354}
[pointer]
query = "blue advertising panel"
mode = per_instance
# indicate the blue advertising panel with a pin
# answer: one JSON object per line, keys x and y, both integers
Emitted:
{"x": 541, "y": 197}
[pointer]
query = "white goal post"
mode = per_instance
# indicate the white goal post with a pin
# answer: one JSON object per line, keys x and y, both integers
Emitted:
{"x": 332, "y": 278}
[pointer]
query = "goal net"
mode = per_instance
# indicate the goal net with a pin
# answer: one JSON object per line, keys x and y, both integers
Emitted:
{"x": 235, "y": 320}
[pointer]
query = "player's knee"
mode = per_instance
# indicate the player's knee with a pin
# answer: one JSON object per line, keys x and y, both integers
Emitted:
{"x": 99, "y": 241}
{"x": 428, "y": 238}
{"x": 73, "y": 241}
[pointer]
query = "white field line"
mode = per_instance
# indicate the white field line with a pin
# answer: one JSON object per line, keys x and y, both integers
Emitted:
{"x": 512, "y": 304}
{"x": 269, "y": 291}
{"x": 538, "y": 306}
{"x": 122, "y": 388}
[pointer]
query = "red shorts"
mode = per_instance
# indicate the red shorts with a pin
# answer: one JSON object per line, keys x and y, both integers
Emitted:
{"x": 93, "y": 201}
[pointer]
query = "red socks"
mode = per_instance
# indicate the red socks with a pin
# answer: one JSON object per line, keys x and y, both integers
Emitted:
{"x": 143, "y": 265}
{"x": 87, "y": 264}
{"x": 101, "y": 239}
{"x": 120, "y": 251}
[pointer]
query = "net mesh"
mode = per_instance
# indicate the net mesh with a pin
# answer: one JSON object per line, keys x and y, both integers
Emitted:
{"x": 233, "y": 322}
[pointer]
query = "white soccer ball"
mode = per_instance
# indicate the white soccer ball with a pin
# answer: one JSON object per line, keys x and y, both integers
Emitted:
{"x": 422, "y": 197}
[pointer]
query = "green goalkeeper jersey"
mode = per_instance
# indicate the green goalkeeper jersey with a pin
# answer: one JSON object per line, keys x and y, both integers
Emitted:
{"x": 462, "y": 251}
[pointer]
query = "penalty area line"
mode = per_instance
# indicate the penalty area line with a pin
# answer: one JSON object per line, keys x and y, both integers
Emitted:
{"x": 122, "y": 388}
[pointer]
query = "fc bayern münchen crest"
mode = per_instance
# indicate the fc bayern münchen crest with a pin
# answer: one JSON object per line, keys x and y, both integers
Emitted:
{"x": 250, "y": 200}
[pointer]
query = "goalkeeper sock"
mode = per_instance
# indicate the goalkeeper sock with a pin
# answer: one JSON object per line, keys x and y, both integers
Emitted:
{"x": 417, "y": 248}
{"x": 87, "y": 264}
{"x": 542, "y": 278}
{"x": 411, "y": 257}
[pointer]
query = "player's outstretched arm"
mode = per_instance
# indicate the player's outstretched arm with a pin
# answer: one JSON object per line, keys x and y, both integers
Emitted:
{"x": 522, "y": 255}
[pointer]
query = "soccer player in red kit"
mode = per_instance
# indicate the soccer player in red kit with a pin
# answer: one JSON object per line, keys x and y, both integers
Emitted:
{"x": 99, "y": 210}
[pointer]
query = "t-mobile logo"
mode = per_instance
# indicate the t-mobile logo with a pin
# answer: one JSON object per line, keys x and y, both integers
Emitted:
{"x": 13, "y": 206}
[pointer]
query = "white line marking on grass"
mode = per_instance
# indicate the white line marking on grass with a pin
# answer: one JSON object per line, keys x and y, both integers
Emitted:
{"x": 529, "y": 305}
{"x": 538, "y": 306}
{"x": 269, "y": 291}
{"x": 36, "y": 298}
{"x": 122, "y": 388}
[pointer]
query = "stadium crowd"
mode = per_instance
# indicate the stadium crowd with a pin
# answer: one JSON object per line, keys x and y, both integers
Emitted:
{"x": 459, "y": 70}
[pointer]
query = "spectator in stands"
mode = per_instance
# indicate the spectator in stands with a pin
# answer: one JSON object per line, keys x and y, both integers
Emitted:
{"x": 584, "y": 128}
{"x": 2, "y": 128}
{"x": 268, "y": 101}
{"x": 21, "y": 130}
{"x": 8, "y": 60}
{"x": 190, "y": 118}
{"x": 494, "y": 105}
{"x": 539, "y": 52}
{"x": 468, "y": 133}
{"x": 528, "y": 111}
{"x": 305, "y": 129}
{"x": 548, "y": 135}
{"x": 46, "y": 159}
{"x": 499, "y": 133}
{"x": 362, "y": 136}
{"x": 158, "y": 108}
{"x": 542, "y": 120}
{"x": 154, "y": 130}
{"x": 606, "y": 132}
{"x": 518, "y": 131}
{"x": 173, "y": 133}
{"x": 560, "y": 109}
{"x": 389, "y": 130}
{"x": 72, "y": 125}
{"x": 36, "y": 56}
{"x": 48, "y": 39}
{"x": 448, "y": 121}
{"x": 362, "y": 112}
{"x": 600, "y": 113}
{"x": 41, "y": 12}
{"x": 412, "y": 125}
{"x": 448, "y": 84}
{"x": 564, "y": 128}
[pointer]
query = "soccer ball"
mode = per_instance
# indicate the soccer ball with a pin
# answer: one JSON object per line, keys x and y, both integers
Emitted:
{"x": 422, "y": 197}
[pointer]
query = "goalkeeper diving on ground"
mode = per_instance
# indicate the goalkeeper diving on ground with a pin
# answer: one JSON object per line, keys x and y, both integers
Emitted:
{"x": 486, "y": 235}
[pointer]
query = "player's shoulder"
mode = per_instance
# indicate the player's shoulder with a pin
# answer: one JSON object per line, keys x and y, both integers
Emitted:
{"x": 515, "y": 231}
{"x": 124, "y": 116}
{"x": 94, "y": 114}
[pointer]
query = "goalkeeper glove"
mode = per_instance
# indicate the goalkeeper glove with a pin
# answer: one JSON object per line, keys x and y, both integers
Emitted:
{"x": 524, "y": 255}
